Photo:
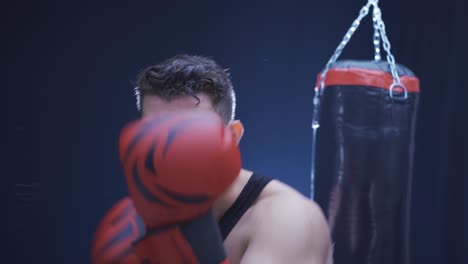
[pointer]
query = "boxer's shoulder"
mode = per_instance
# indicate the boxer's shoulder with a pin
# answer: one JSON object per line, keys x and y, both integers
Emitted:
{"x": 279, "y": 200}
{"x": 285, "y": 221}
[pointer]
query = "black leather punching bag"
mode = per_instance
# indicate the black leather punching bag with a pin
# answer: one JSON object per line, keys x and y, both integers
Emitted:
{"x": 364, "y": 160}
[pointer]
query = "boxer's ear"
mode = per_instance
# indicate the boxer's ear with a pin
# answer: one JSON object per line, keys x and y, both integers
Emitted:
{"x": 237, "y": 130}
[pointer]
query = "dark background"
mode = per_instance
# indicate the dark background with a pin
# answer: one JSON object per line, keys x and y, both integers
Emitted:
{"x": 69, "y": 68}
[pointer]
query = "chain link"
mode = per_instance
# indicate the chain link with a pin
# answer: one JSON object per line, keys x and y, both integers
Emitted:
{"x": 379, "y": 35}
{"x": 362, "y": 13}
{"x": 376, "y": 37}
{"x": 386, "y": 44}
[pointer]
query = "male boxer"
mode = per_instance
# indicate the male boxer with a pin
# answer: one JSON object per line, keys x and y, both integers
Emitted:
{"x": 261, "y": 220}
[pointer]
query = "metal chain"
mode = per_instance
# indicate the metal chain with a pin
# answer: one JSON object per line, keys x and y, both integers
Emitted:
{"x": 390, "y": 58}
{"x": 376, "y": 37}
{"x": 379, "y": 34}
{"x": 362, "y": 13}
{"x": 386, "y": 44}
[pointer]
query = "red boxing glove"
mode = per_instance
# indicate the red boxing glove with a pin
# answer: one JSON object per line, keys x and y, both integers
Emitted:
{"x": 113, "y": 239}
{"x": 197, "y": 241}
{"x": 176, "y": 165}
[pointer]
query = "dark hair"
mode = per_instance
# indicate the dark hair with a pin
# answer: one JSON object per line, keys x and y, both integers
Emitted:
{"x": 188, "y": 75}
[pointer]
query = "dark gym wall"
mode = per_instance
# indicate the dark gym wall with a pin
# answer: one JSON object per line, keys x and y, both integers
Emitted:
{"x": 70, "y": 67}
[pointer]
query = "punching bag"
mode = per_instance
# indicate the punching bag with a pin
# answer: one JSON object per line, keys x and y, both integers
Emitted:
{"x": 364, "y": 161}
{"x": 363, "y": 143}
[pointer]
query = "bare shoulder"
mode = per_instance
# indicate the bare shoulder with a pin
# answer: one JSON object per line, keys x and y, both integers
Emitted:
{"x": 278, "y": 195}
{"x": 289, "y": 225}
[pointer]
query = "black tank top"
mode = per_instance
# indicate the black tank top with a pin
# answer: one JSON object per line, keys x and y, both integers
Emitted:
{"x": 246, "y": 198}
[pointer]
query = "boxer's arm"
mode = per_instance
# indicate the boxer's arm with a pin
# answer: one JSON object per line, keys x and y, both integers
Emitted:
{"x": 289, "y": 230}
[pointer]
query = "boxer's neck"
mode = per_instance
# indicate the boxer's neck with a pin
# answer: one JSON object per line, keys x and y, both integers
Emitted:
{"x": 225, "y": 201}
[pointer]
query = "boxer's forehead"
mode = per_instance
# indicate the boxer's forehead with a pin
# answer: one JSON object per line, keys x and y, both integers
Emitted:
{"x": 153, "y": 104}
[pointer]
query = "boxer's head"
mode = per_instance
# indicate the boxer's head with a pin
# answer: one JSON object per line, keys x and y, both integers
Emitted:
{"x": 185, "y": 82}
